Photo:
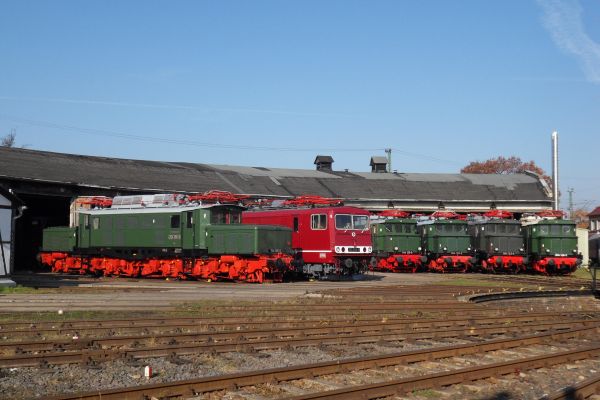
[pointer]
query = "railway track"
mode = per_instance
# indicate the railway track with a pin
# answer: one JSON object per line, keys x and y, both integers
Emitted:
{"x": 102, "y": 350}
{"x": 17, "y": 333}
{"x": 195, "y": 387}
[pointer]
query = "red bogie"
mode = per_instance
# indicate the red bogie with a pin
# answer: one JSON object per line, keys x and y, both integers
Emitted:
{"x": 451, "y": 263}
{"x": 228, "y": 267}
{"x": 504, "y": 264}
{"x": 555, "y": 265}
{"x": 400, "y": 263}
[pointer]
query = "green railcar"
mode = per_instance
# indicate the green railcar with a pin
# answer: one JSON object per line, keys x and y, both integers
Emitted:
{"x": 446, "y": 244}
{"x": 397, "y": 245}
{"x": 552, "y": 245}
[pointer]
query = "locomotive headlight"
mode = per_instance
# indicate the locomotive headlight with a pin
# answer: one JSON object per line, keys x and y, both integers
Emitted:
{"x": 547, "y": 250}
{"x": 495, "y": 249}
{"x": 469, "y": 248}
{"x": 420, "y": 248}
{"x": 574, "y": 250}
{"x": 521, "y": 249}
{"x": 445, "y": 248}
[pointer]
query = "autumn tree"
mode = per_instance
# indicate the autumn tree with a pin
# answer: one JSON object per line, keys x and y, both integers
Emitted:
{"x": 580, "y": 216}
{"x": 503, "y": 165}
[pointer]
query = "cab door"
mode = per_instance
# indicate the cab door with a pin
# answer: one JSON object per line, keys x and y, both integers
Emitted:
{"x": 85, "y": 223}
{"x": 188, "y": 234}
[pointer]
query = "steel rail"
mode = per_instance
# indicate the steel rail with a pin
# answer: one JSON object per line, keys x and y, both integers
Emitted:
{"x": 197, "y": 386}
{"x": 528, "y": 295}
{"x": 306, "y": 312}
{"x": 242, "y": 344}
{"x": 579, "y": 391}
{"x": 10, "y": 327}
{"x": 391, "y": 327}
{"x": 413, "y": 323}
{"x": 398, "y": 386}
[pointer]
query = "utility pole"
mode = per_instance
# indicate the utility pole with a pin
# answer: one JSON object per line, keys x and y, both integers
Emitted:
{"x": 389, "y": 159}
{"x": 571, "y": 190}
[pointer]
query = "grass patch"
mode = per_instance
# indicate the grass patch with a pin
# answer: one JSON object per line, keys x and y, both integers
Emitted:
{"x": 583, "y": 273}
{"x": 19, "y": 289}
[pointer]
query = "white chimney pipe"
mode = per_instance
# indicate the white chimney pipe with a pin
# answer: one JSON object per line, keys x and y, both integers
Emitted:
{"x": 555, "y": 169}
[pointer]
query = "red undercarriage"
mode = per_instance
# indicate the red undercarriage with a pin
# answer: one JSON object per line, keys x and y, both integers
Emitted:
{"x": 248, "y": 269}
{"x": 555, "y": 265}
{"x": 450, "y": 263}
{"x": 504, "y": 264}
{"x": 400, "y": 263}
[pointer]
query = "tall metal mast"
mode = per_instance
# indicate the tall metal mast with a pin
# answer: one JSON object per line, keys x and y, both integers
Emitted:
{"x": 555, "y": 169}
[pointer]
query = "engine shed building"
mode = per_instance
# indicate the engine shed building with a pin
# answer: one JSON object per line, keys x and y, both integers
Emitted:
{"x": 47, "y": 182}
{"x": 10, "y": 210}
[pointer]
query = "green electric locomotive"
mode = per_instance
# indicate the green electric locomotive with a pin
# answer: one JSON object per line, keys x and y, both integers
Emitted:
{"x": 396, "y": 243}
{"x": 143, "y": 236}
{"x": 551, "y": 243}
{"x": 446, "y": 243}
{"x": 498, "y": 242}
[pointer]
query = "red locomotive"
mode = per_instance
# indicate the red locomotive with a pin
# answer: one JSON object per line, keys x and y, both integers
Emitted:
{"x": 334, "y": 240}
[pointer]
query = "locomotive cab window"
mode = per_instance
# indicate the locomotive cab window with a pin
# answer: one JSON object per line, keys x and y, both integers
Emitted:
{"x": 175, "y": 221}
{"x": 555, "y": 230}
{"x": 190, "y": 219}
{"x": 544, "y": 229}
{"x": 96, "y": 223}
{"x": 360, "y": 222}
{"x": 235, "y": 217}
{"x": 225, "y": 216}
{"x": 460, "y": 229}
{"x": 566, "y": 229}
{"x": 318, "y": 221}
{"x": 346, "y": 221}
{"x": 343, "y": 221}
{"x": 86, "y": 221}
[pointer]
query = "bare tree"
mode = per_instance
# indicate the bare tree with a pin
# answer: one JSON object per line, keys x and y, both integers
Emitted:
{"x": 10, "y": 139}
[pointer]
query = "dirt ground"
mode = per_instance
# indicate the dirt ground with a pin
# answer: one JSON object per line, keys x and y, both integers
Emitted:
{"x": 106, "y": 293}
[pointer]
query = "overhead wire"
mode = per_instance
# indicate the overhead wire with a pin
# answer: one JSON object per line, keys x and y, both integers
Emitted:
{"x": 186, "y": 142}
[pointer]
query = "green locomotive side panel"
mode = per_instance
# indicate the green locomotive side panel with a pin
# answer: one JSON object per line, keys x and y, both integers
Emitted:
{"x": 247, "y": 239}
{"x": 396, "y": 235}
{"x": 59, "y": 239}
{"x": 446, "y": 236}
{"x": 132, "y": 230}
{"x": 498, "y": 237}
{"x": 552, "y": 238}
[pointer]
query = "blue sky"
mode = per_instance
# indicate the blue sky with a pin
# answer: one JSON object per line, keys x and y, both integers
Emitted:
{"x": 273, "y": 83}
